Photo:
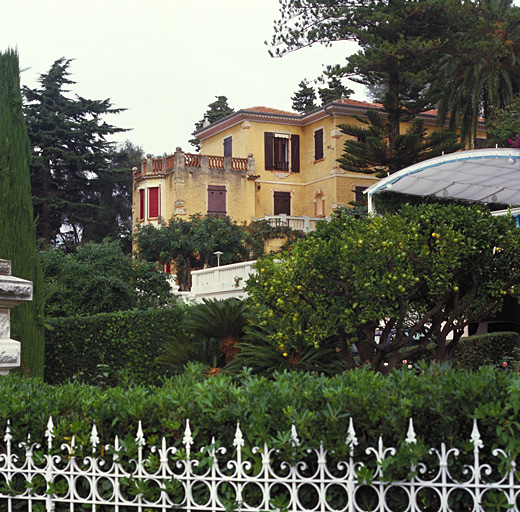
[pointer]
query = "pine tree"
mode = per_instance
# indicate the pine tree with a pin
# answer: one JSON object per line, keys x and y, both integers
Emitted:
{"x": 304, "y": 99}
{"x": 370, "y": 148}
{"x": 216, "y": 111}
{"x": 17, "y": 228}
{"x": 70, "y": 155}
{"x": 400, "y": 41}
{"x": 335, "y": 90}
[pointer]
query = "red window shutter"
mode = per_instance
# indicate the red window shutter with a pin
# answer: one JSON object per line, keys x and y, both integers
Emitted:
{"x": 269, "y": 151}
{"x": 217, "y": 200}
{"x": 318, "y": 144}
{"x": 153, "y": 202}
{"x": 295, "y": 153}
{"x": 141, "y": 204}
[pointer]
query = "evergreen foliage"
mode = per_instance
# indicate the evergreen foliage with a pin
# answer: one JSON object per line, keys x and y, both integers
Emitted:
{"x": 442, "y": 401}
{"x": 17, "y": 228}
{"x": 371, "y": 149}
{"x": 209, "y": 334}
{"x": 215, "y": 112}
{"x": 493, "y": 349}
{"x": 70, "y": 159}
{"x": 113, "y": 190}
{"x": 191, "y": 244}
{"x": 503, "y": 125}
{"x": 484, "y": 72}
{"x": 304, "y": 99}
{"x": 100, "y": 278}
{"x": 400, "y": 43}
{"x": 263, "y": 352}
{"x": 115, "y": 347}
{"x": 334, "y": 91}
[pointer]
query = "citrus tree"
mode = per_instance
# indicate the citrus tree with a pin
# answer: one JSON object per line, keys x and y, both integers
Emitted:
{"x": 420, "y": 276}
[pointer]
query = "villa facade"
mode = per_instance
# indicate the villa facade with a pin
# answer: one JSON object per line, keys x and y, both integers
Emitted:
{"x": 259, "y": 163}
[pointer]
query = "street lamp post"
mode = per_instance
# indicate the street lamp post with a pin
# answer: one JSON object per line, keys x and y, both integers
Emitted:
{"x": 218, "y": 254}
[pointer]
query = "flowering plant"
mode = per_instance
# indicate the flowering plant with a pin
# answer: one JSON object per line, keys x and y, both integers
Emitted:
{"x": 515, "y": 142}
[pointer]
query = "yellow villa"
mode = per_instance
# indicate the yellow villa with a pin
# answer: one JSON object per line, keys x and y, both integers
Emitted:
{"x": 260, "y": 163}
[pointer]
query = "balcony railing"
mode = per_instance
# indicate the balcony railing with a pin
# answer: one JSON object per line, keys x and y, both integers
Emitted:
{"x": 303, "y": 223}
{"x": 221, "y": 282}
{"x": 181, "y": 160}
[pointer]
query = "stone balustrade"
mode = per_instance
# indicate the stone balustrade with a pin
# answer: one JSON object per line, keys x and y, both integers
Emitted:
{"x": 13, "y": 291}
{"x": 181, "y": 161}
{"x": 222, "y": 282}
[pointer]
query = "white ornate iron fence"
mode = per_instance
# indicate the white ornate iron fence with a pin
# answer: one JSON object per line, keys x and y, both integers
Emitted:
{"x": 213, "y": 479}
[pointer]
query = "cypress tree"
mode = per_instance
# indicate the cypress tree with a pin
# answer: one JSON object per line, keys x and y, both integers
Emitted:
{"x": 17, "y": 228}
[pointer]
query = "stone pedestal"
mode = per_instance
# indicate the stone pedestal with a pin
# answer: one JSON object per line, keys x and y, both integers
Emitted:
{"x": 12, "y": 292}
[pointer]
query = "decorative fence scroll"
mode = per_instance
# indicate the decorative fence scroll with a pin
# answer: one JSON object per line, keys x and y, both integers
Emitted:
{"x": 120, "y": 478}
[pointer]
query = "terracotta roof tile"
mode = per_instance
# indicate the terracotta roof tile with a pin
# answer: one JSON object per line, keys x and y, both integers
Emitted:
{"x": 356, "y": 103}
{"x": 269, "y": 110}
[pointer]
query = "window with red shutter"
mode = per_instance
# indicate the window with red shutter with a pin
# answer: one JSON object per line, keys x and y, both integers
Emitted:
{"x": 153, "y": 202}
{"x": 142, "y": 206}
{"x": 217, "y": 200}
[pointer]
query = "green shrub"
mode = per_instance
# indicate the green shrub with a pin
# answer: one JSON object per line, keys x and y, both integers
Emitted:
{"x": 109, "y": 346}
{"x": 100, "y": 278}
{"x": 486, "y": 349}
{"x": 441, "y": 400}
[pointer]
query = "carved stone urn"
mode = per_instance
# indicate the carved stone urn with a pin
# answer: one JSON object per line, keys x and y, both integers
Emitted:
{"x": 13, "y": 291}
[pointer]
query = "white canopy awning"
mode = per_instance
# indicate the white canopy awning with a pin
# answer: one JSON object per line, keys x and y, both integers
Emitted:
{"x": 486, "y": 175}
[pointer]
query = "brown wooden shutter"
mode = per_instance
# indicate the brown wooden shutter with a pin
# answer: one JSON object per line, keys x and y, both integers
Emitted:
{"x": 228, "y": 146}
{"x": 269, "y": 151}
{"x": 282, "y": 203}
{"x": 141, "y": 204}
{"x": 217, "y": 200}
{"x": 318, "y": 144}
{"x": 153, "y": 202}
{"x": 295, "y": 153}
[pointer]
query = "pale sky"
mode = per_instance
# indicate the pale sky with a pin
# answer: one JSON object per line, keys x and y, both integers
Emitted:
{"x": 163, "y": 60}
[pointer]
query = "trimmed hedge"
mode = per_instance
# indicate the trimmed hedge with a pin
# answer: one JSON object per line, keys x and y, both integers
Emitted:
{"x": 442, "y": 402}
{"x": 109, "y": 345}
{"x": 486, "y": 349}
